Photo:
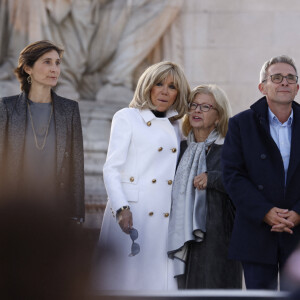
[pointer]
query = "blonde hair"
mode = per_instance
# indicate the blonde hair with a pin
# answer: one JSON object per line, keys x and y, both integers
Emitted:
{"x": 158, "y": 73}
{"x": 222, "y": 105}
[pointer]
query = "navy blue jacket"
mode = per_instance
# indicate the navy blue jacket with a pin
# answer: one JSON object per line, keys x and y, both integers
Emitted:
{"x": 253, "y": 175}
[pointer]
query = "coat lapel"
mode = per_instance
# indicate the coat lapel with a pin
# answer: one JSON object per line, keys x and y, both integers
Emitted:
{"x": 295, "y": 143}
{"x": 261, "y": 109}
{"x": 16, "y": 132}
{"x": 61, "y": 130}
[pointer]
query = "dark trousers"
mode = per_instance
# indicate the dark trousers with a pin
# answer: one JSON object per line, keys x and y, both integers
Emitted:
{"x": 261, "y": 276}
{"x": 265, "y": 276}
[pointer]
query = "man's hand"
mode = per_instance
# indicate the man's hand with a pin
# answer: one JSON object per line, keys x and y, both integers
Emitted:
{"x": 200, "y": 181}
{"x": 280, "y": 220}
{"x": 291, "y": 216}
{"x": 125, "y": 220}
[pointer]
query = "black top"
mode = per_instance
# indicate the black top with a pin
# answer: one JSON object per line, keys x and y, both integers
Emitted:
{"x": 159, "y": 114}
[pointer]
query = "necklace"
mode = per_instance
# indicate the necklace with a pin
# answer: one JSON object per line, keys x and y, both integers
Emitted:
{"x": 34, "y": 134}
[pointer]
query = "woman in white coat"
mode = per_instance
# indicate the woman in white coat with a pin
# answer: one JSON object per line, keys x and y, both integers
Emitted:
{"x": 138, "y": 176}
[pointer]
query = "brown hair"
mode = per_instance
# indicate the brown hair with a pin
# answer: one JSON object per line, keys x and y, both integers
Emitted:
{"x": 29, "y": 55}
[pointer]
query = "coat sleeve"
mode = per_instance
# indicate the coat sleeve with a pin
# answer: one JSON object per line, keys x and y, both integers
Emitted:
{"x": 214, "y": 171}
{"x": 3, "y": 125}
{"x": 246, "y": 197}
{"x": 119, "y": 142}
{"x": 214, "y": 181}
{"x": 77, "y": 165}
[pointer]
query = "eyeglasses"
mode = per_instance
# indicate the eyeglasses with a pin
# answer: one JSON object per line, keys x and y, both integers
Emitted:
{"x": 135, "y": 247}
{"x": 277, "y": 78}
{"x": 203, "y": 107}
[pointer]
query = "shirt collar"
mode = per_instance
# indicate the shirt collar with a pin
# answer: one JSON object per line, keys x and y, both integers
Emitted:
{"x": 274, "y": 120}
{"x": 220, "y": 140}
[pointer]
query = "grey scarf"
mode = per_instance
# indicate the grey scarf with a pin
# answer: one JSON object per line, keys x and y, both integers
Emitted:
{"x": 188, "y": 213}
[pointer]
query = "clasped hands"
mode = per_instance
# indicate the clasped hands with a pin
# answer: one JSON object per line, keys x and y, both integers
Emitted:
{"x": 282, "y": 220}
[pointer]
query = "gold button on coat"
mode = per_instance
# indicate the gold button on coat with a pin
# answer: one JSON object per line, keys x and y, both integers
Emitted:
{"x": 174, "y": 150}
{"x": 151, "y": 213}
{"x": 148, "y": 123}
{"x": 166, "y": 215}
{"x": 170, "y": 182}
{"x": 160, "y": 148}
{"x": 112, "y": 212}
{"x": 131, "y": 179}
{"x": 153, "y": 180}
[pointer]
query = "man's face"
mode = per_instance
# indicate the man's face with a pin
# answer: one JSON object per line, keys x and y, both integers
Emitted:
{"x": 282, "y": 93}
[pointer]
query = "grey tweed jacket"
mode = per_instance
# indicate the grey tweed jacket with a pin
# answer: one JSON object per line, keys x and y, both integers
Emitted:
{"x": 69, "y": 149}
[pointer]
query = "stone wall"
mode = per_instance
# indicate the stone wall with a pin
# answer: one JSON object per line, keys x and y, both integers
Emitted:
{"x": 223, "y": 42}
{"x": 216, "y": 41}
{"x": 227, "y": 41}
{"x": 96, "y": 121}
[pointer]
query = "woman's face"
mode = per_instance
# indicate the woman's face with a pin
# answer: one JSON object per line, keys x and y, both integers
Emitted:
{"x": 204, "y": 120}
{"x": 164, "y": 94}
{"x": 45, "y": 70}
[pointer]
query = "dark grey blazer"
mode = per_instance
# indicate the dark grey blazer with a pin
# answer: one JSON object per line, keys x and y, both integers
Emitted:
{"x": 69, "y": 149}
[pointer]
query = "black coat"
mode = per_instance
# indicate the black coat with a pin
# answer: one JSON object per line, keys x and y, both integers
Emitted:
{"x": 255, "y": 181}
{"x": 208, "y": 266}
{"x": 69, "y": 149}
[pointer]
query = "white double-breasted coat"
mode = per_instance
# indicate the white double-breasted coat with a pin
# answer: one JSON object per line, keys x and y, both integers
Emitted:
{"x": 139, "y": 172}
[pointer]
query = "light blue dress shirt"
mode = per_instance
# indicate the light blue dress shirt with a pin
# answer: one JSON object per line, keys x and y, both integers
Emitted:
{"x": 282, "y": 135}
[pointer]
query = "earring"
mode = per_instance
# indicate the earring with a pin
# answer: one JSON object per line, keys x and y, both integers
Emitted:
{"x": 29, "y": 79}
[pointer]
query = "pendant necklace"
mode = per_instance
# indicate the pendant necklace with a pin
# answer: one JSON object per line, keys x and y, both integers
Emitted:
{"x": 34, "y": 132}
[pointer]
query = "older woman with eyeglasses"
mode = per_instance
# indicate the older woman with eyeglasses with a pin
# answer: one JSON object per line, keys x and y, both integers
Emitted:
{"x": 202, "y": 213}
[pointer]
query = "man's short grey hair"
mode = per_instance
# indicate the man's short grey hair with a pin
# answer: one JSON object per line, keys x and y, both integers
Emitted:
{"x": 275, "y": 60}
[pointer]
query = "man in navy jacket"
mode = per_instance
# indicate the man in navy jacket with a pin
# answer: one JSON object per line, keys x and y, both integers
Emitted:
{"x": 261, "y": 169}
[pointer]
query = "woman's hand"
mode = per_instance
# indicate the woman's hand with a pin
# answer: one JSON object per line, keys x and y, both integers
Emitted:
{"x": 200, "y": 181}
{"x": 125, "y": 220}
